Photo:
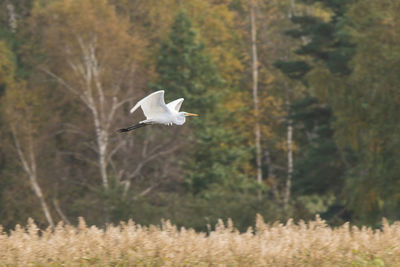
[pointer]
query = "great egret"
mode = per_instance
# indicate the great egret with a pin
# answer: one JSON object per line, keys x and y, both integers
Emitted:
{"x": 157, "y": 112}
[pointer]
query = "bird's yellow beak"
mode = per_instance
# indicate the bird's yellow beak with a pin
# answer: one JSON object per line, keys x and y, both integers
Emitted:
{"x": 191, "y": 114}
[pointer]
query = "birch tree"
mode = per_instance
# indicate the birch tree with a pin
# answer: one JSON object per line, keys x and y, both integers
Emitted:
{"x": 276, "y": 97}
{"x": 12, "y": 16}
{"x": 23, "y": 136}
{"x": 289, "y": 148}
{"x": 254, "y": 68}
{"x": 289, "y": 130}
{"x": 93, "y": 56}
{"x": 19, "y": 107}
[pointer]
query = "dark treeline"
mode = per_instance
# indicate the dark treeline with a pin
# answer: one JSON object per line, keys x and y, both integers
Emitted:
{"x": 298, "y": 104}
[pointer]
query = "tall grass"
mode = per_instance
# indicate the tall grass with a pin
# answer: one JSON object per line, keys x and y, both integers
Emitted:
{"x": 128, "y": 244}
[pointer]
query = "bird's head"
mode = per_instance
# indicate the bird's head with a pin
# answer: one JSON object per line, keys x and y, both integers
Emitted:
{"x": 180, "y": 119}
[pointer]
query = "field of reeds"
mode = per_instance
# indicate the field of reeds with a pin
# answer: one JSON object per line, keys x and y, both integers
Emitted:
{"x": 128, "y": 244}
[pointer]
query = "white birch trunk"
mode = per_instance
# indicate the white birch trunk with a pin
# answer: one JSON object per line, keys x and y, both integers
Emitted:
{"x": 29, "y": 165}
{"x": 59, "y": 211}
{"x": 92, "y": 95}
{"x": 289, "y": 131}
{"x": 102, "y": 144}
{"x": 36, "y": 188}
{"x": 289, "y": 141}
{"x": 12, "y": 16}
{"x": 257, "y": 130}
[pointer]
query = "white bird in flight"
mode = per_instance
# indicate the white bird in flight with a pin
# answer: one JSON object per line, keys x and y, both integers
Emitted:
{"x": 157, "y": 112}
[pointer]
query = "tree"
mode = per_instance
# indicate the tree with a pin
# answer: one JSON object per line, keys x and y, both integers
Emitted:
{"x": 20, "y": 108}
{"x": 185, "y": 70}
{"x": 321, "y": 40}
{"x": 91, "y": 61}
{"x": 352, "y": 84}
{"x": 346, "y": 77}
{"x": 254, "y": 68}
{"x": 364, "y": 106}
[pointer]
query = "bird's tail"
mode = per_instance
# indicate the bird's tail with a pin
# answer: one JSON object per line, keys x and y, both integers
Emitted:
{"x": 136, "y": 126}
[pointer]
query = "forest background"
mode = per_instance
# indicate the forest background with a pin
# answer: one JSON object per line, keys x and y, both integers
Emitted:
{"x": 297, "y": 104}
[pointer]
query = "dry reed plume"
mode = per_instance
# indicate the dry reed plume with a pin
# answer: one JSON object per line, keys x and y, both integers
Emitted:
{"x": 128, "y": 244}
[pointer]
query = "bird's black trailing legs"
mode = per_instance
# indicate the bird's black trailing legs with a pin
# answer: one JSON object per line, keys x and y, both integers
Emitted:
{"x": 136, "y": 126}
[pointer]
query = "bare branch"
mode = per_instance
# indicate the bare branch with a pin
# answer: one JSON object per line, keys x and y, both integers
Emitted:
{"x": 81, "y": 96}
{"x": 150, "y": 158}
{"x": 115, "y": 106}
{"x": 77, "y": 68}
{"x": 59, "y": 211}
{"x": 60, "y": 80}
{"x": 115, "y": 150}
{"x": 144, "y": 149}
{"x": 148, "y": 190}
{"x": 80, "y": 157}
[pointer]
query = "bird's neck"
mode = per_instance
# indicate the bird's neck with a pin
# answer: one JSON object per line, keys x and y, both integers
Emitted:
{"x": 180, "y": 118}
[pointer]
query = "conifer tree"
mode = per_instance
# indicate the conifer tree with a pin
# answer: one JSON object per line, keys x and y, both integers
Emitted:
{"x": 353, "y": 74}
{"x": 185, "y": 70}
{"x": 321, "y": 166}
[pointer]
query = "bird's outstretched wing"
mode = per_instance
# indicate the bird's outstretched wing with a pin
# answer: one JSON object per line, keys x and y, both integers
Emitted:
{"x": 176, "y": 104}
{"x": 152, "y": 105}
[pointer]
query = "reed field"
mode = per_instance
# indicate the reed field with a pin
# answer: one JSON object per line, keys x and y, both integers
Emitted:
{"x": 302, "y": 244}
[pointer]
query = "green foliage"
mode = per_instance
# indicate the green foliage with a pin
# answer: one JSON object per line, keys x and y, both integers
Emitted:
{"x": 345, "y": 126}
{"x": 294, "y": 69}
{"x": 185, "y": 70}
{"x": 203, "y": 213}
{"x": 327, "y": 41}
{"x": 356, "y": 51}
{"x": 364, "y": 105}
{"x": 7, "y": 67}
{"x": 320, "y": 167}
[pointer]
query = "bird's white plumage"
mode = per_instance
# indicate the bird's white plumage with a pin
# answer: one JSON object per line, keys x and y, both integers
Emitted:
{"x": 152, "y": 105}
{"x": 157, "y": 112}
{"x": 175, "y": 105}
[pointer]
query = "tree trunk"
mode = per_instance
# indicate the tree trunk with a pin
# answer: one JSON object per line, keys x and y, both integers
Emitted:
{"x": 12, "y": 16}
{"x": 29, "y": 165}
{"x": 289, "y": 163}
{"x": 292, "y": 9}
{"x": 102, "y": 143}
{"x": 257, "y": 130}
{"x": 36, "y": 188}
{"x": 289, "y": 131}
{"x": 91, "y": 76}
{"x": 59, "y": 211}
